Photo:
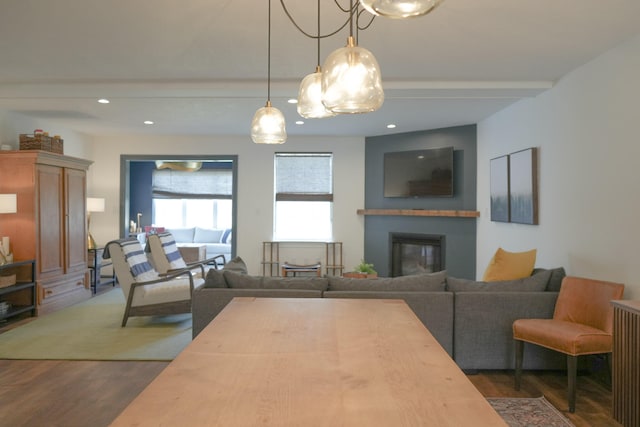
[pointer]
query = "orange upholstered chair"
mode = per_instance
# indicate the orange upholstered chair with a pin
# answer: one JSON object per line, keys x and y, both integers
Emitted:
{"x": 582, "y": 324}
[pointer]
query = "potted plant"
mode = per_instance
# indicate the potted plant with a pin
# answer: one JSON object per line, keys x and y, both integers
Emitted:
{"x": 364, "y": 270}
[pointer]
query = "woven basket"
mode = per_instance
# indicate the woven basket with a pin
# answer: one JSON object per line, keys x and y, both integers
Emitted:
{"x": 7, "y": 280}
{"x": 57, "y": 145}
{"x": 35, "y": 142}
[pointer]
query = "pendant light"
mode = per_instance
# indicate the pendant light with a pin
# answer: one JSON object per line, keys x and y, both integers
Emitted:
{"x": 400, "y": 8}
{"x": 310, "y": 104}
{"x": 268, "y": 125}
{"x": 351, "y": 81}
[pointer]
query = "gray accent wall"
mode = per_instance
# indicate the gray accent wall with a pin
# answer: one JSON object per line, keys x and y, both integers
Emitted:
{"x": 460, "y": 233}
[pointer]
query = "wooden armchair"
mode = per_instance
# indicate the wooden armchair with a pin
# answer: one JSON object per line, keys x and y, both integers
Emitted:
{"x": 166, "y": 257}
{"x": 582, "y": 324}
{"x": 148, "y": 292}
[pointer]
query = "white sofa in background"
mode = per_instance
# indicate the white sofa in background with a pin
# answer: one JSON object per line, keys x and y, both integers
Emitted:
{"x": 217, "y": 241}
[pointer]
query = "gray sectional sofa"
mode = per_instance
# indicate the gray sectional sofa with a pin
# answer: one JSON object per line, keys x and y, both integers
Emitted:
{"x": 471, "y": 320}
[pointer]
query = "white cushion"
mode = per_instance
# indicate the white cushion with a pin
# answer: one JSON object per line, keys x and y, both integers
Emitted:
{"x": 207, "y": 235}
{"x": 170, "y": 291}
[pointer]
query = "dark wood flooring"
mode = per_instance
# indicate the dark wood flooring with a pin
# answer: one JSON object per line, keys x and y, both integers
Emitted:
{"x": 87, "y": 393}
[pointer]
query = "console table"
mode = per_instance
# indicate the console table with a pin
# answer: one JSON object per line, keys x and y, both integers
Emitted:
{"x": 271, "y": 257}
{"x": 312, "y": 362}
{"x": 96, "y": 263}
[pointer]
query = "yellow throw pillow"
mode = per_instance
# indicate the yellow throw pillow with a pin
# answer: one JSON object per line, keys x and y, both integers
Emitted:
{"x": 510, "y": 265}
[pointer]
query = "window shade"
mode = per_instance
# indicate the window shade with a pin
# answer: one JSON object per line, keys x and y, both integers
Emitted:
{"x": 201, "y": 184}
{"x": 304, "y": 177}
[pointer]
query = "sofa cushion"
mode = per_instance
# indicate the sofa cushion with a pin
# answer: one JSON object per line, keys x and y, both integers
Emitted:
{"x": 242, "y": 281}
{"x": 226, "y": 236}
{"x": 215, "y": 279}
{"x": 555, "y": 281}
{"x": 311, "y": 283}
{"x": 535, "y": 283}
{"x": 182, "y": 235}
{"x": 206, "y": 235}
{"x": 237, "y": 265}
{"x": 510, "y": 265}
{"x": 434, "y": 282}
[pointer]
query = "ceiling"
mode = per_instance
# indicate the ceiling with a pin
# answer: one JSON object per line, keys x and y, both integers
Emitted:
{"x": 199, "y": 67}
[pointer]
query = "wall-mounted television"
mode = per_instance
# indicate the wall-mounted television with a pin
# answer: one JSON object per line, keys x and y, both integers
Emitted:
{"x": 419, "y": 173}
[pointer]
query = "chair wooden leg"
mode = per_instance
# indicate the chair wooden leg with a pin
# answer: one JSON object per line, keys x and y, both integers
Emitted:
{"x": 519, "y": 356}
{"x": 572, "y": 369}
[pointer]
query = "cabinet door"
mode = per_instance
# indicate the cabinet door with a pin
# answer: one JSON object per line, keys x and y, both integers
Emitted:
{"x": 76, "y": 220}
{"x": 50, "y": 221}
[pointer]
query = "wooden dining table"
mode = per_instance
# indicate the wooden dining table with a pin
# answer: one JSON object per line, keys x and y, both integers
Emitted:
{"x": 312, "y": 362}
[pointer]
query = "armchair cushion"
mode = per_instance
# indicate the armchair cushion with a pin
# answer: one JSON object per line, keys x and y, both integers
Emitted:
{"x": 140, "y": 268}
{"x": 171, "y": 251}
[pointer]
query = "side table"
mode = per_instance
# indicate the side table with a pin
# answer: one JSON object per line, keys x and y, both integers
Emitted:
{"x": 96, "y": 263}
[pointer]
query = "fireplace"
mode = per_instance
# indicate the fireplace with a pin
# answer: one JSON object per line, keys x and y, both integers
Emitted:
{"x": 416, "y": 253}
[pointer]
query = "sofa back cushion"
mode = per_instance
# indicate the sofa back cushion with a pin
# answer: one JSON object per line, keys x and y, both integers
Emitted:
{"x": 242, "y": 281}
{"x": 207, "y": 235}
{"x": 215, "y": 279}
{"x": 431, "y": 282}
{"x": 536, "y": 283}
{"x": 303, "y": 283}
{"x": 182, "y": 235}
{"x": 555, "y": 281}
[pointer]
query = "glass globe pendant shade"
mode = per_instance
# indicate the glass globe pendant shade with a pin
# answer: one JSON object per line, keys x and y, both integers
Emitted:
{"x": 268, "y": 126}
{"x": 351, "y": 81}
{"x": 400, "y": 8}
{"x": 310, "y": 104}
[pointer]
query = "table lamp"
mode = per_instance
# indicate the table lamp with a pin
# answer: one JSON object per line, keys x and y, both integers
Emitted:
{"x": 94, "y": 204}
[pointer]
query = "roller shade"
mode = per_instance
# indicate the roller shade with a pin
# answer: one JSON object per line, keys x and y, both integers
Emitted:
{"x": 304, "y": 177}
{"x": 201, "y": 184}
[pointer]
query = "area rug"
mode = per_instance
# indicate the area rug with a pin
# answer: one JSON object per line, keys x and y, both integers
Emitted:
{"x": 91, "y": 331}
{"x": 529, "y": 412}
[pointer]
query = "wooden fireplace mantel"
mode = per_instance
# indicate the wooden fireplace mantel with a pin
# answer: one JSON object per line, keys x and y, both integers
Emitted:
{"x": 419, "y": 212}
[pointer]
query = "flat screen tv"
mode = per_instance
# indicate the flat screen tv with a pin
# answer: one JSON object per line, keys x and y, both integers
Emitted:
{"x": 419, "y": 173}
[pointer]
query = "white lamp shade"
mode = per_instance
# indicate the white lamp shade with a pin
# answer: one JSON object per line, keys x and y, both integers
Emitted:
{"x": 95, "y": 204}
{"x": 400, "y": 8}
{"x": 310, "y": 104}
{"x": 8, "y": 203}
{"x": 268, "y": 126}
{"x": 351, "y": 81}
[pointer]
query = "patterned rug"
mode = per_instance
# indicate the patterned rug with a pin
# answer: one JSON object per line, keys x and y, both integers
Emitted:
{"x": 529, "y": 412}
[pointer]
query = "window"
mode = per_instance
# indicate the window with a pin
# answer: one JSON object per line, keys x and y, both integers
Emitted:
{"x": 198, "y": 198}
{"x": 303, "y": 196}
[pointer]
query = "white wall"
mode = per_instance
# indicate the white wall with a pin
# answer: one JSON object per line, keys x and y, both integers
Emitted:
{"x": 13, "y": 124}
{"x": 586, "y": 128}
{"x": 255, "y": 186}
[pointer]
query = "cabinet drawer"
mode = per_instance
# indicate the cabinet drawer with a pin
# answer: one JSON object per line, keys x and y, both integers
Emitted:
{"x": 53, "y": 289}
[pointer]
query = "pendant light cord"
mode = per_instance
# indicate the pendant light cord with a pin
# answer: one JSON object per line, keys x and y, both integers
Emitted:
{"x": 318, "y": 39}
{"x": 269, "y": 57}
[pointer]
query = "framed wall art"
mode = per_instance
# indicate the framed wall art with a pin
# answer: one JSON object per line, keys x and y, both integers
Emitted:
{"x": 499, "y": 183}
{"x": 523, "y": 186}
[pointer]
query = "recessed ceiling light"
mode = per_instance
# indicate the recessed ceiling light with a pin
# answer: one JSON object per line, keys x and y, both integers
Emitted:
{"x": 103, "y": 101}
{"x": 391, "y": 126}
{"x": 292, "y": 101}
{"x": 148, "y": 122}
{"x": 299, "y": 122}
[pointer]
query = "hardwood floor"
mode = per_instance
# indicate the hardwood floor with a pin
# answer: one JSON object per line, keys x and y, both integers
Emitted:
{"x": 87, "y": 393}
